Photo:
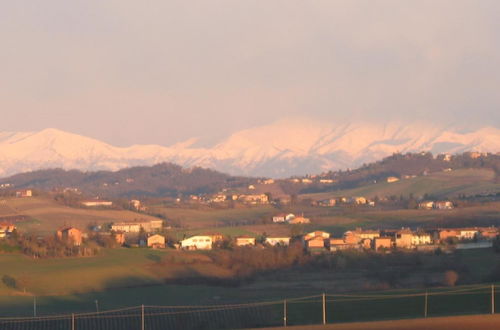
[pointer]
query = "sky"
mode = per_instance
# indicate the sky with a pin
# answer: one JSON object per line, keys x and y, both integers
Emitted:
{"x": 160, "y": 72}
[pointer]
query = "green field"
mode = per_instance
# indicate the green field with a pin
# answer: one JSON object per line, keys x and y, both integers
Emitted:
{"x": 439, "y": 184}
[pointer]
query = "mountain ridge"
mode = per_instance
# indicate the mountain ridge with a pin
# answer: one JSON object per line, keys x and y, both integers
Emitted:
{"x": 280, "y": 149}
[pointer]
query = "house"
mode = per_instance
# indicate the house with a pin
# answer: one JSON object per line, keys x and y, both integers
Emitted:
{"x": 245, "y": 241}
{"x": 135, "y": 226}
{"x": 273, "y": 241}
{"x": 317, "y": 242}
{"x": 314, "y": 234}
{"x": 254, "y": 199}
{"x": 307, "y": 181}
{"x": 327, "y": 202}
{"x": 96, "y": 203}
{"x": 404, "y": 239}
{"x": 443, "y": 205}
{"x": 299, "y": 220}
{"x": 421, "y": 238}
{"x": 488, "y": 233}
{"x": 448, "y": 233}
{"x": 268, "y": 181}
{"x": 119, "y": 238}
{"x": 392, "y": 179}
{"x": 338, "y": 244}
{"x": 289, "y": 217}
{"x": 279, "y": 218}
{"x": 6, "y": 228}
{"x": 356, "y": 236}
{"x": 156, "y": 241}
{"x": 382, "y": 243}
{"x": 70, "y": 234}
{"x": 426, "y": 205}
{"x": 357, "y": 200}
{"x": 24, "y": 193}
{"x": 137, "y": 205}
{"x": 468, "y": 233}
{"x": 197, "y": 243}
{"x": 326, "y": 181}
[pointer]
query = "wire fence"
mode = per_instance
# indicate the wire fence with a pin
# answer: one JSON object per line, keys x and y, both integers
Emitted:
{"x": 316, "y": 309}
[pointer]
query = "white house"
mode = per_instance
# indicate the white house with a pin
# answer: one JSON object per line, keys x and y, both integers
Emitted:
{"x": 420, "y": 239}
{"x": 197, "y": 243}
{"x": 273, "y": 241}
{"x": 279, "y": 218}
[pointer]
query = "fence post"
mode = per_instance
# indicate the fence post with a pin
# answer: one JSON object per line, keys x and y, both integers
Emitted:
{"x": 284, "y": 313}
{"x": 324, "y": 309}
{"x": 493, "y": 299}
{"x": 72, "y": 321}
{"x": 142, "y": 317}
{"x": 426, "y": 304}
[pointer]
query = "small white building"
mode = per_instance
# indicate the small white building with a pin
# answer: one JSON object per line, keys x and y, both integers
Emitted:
{"x": 273, "y": 241}
{"x": 197, "y": 243}
{"x": 245, "y": 241}
{"x": 420, "y": 239}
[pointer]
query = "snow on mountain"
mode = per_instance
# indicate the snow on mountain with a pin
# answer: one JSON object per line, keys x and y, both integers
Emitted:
{"x": 284, "y": 148}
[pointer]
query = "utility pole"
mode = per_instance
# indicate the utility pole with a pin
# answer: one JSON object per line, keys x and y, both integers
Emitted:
{"x": 324, "y": 308}
{"x": 142, "y": 317}
{"x": 72, "y": 321}
{"x": 284, "y": 313}
{"x": 425, "y": 310}
{"x": 493, "y": 299}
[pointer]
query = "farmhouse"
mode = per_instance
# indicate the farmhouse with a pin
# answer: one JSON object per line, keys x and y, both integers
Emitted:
{"x": 245, "y": 241}
{"x": 338, "y": 244}
{"x": 356, "y": 236}
{"x": 254, "y": 199}
{"x": 468, "y": 233}
{"x": 383, "y": 243}
{"x": 426, "y": 205}
{"x": 135, "y": 226}
{"x": 156, "y": 241}
{"x": 197, "y": 243}
{"x": 448, "y": 233}
{"x": 443, "y": 205}
{"x": 279, "y": 218}
{"x": 314, "y": 234}
{"x": 299, "y": 220}
{"x": 96, "y": 203}
{"x": 421, "y": 238}
{"x": 404, "y": 239}
{"x": 70, "y": 234}
{"x": 24, "y": 193}
{"x": 273, "y": 241}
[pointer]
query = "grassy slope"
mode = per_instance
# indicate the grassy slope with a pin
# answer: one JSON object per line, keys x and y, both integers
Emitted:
{"x": 440, "y": 184}
{"x": 49, "y": 215}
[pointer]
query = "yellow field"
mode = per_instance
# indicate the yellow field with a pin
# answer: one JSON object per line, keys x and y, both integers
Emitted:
{"x": 48, "y": 215}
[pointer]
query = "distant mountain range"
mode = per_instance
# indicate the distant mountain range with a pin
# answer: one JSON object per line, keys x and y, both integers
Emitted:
{"x": 281, "y": 149}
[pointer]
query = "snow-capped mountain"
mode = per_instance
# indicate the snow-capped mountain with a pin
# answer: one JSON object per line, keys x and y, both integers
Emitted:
{"x": 284, "y": 148}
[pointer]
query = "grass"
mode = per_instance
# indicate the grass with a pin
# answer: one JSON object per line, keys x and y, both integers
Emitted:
{"x": 439, "y": 184}
{"x": 46, "y": 215}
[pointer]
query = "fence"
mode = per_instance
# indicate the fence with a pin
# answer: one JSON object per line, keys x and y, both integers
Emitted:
{"x": 317, "y": 309}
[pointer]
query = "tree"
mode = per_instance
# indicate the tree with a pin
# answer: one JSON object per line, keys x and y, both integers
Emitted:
{"x": 450, "y": 278}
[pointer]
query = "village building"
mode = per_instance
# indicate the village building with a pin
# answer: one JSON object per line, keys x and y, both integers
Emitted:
{"x": 421, "y": 238}
{"x": 338, "y": 244}
{"x": 254, "y": 199}
{"x": 327, "y": 202}
{"x": 382, "y": 243}
{"x": 357, "y": 200}
{"x": 299, "y": 220}
{"x": 274, "y": 241}
{"x": 314, "y": 234}
{"x": 6, "y": 229}
{"x": 70, "y": 234}
{"x": 468, "y": 233}
{"x": 404, "y": 239}
{"x": 96, "y": 203}
{"x": 357, "y": 235}
{"x": 197, "y": 243}
{"x": 326, "y": 181}
{"x": 443, "y": 205}
{"x": 156, "y": 241}
{"x": 24, "y": 193}
{"x": 245, "y": 241}
{"x": 392, "y": 179}
{"x": 279, "y": 218}
{"x": 426, "y": 205}
{"x": 488, "y": 233}
{"x": 135, "y": 226}
{"x": 119, "y": 238}
{"x": 444, "y": 234}
{"x": 289, "y": 217}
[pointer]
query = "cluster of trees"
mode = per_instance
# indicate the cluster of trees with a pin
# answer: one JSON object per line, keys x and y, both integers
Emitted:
{"x": 49, "y": 247}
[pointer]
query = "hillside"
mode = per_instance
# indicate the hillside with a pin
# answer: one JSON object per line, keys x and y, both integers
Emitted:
{"x": 159, "y": 180}
{"x": 44, "y": 215}
{"x": 438, "y": 184}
